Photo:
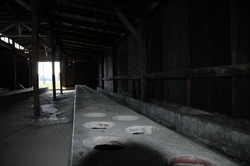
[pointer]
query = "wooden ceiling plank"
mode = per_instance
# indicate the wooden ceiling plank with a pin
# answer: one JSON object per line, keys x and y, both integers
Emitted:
{"x": 96, "y": 40}
{"x": 87, "y": 35}
{"x": 87, "y": 24}
{"x": 81, "y": 44}
{"x": 84, "y": 14}
{"x": 23, "y": 36}
{"x": 88, "y": 31}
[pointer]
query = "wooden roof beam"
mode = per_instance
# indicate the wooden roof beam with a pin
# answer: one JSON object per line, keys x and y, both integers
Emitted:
{"x": 23, "y": 4}
{"x": 7, "y": 28}
{"x": 129, "y": 26}
{"x": 23, "y": 36}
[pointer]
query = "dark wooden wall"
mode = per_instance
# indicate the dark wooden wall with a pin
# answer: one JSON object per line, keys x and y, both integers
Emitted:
{"x": 209, "y": 45}
{"x": 175, "y": 48}
{"x": 81, "y": 73}
{"x": 192, "y": 49}
{"x": 7, "y": 73}
{"x": 121, "y": 66}
{"x": 242, "y": 83}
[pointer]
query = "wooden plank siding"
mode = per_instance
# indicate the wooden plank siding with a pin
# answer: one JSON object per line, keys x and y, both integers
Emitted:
{"x": 133, "y": 50}
{"x": 121, "y": 66}
{"x": 155, "y": 53}
{"x": 189, "y": 56}
{"x": 175, "y": 48}
{"x": 242, "y": 10}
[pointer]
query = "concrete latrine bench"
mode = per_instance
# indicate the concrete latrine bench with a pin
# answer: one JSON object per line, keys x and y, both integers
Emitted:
{"x": 107, "y": 133}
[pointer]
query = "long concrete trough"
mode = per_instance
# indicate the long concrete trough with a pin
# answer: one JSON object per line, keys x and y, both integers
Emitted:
{"x": 106, "y": 133}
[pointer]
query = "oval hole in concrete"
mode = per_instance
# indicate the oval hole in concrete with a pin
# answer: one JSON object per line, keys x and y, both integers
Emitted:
{"x": 126, "y": 117}
{"x": 109, "y": 143}
{"x": 94, "y": 115}
{"x": 189, "y": 161}
{"x": 142, "y": 130}
{"x": 99, "y": 125}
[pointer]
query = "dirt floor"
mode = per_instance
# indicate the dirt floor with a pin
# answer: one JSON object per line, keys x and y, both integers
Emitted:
{"x": 26, "y": 140}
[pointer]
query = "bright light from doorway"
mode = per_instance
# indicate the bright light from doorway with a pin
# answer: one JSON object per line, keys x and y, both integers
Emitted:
{"x": 45, "y": 74}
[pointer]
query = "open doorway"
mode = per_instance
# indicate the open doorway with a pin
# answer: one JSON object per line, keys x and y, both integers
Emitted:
{"x": 45, "y": 74}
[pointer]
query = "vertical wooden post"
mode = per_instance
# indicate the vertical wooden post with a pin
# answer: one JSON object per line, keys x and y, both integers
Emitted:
{"x": 114, "y": 73}
{"x": 188, "y": 91}
{"x": 102, "y": 68}
{"x": 35, "y": 24}
{"x": 233, "y": 28}
{"x": 61, "y": 61}
{"x": 144, "y": 82}
{"x": 29, "y": 61}
{"x": 63, "y": 70}
{"x": 15, "y": 68}
{"x": 134, "y": 89}
{"x": 53, "y": 52}
{"x": 14, "y": 57}
{"x": 144, "y": 85}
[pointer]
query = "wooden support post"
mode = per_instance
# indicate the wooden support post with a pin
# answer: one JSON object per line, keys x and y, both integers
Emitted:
{"x": 134, "y": 89}
{"x": 30, "y": 71}
{"x": 63, "y": 71}
{"x": 102, "y": 68}
{"x": 53, "y": 76}
{"x": 14, "y": 59}
{"x": 233, "y": 28}
{"x": 61, "y": 61}
{"x": 35, "y": 24}
{"x": 144, "y": 84}
{"x": 114, "y": 81}
{"x": 144, "y": 81}
{"x": 53, "y": 66}
{"x": 15, "y": 68}
{"x": 95, "y": 58}
{"x": 188, "y": 91}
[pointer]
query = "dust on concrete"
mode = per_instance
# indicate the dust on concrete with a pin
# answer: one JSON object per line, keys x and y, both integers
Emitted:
{"x": 54, "y": 111}
{"x": 29, "y": 140}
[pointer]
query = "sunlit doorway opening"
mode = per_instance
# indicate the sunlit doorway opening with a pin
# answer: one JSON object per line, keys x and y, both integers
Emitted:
{"x": 45, "y": 74}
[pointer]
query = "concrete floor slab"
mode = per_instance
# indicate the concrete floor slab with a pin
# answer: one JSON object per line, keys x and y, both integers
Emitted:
{"x": 27, "y": 145}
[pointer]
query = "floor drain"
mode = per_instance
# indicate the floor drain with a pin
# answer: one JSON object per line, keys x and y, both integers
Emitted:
{"x": 107, "y": 143}
{"x": 126, "y": 117}
{"x": 189, "y": 161}
{"x": 142, "y": 130}
{"x": 94, "y": 115}
{"x": 99, "y": 125}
